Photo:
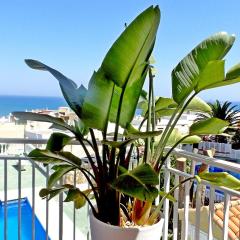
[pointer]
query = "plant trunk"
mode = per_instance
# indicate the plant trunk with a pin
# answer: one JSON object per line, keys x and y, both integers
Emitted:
{"x": 109, "y": 210}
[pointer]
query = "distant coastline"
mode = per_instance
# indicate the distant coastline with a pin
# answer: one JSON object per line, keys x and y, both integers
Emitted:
{"x": 12, "y": 103}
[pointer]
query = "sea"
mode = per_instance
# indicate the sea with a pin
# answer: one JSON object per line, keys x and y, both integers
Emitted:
{"x": 10, "y": 104}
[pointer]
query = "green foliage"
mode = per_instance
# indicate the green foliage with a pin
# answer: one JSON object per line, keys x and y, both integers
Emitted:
{"x": 112, "y": 95}
{"x": 57, "y": 142}
{"x": 202, "y": 67}
{"x": 139, "y": 183}
{"x": 209, "y": 126}
{"x": 225, "y": 111}
{"x": 221, "y": 179}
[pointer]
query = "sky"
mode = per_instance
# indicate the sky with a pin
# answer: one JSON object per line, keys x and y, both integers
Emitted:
{"x": 73, "y": 36}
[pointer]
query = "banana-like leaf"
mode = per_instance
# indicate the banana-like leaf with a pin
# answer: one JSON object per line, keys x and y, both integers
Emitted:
{"x": 198, "y": 105}
{"x": 73, "y": 95}
{"x": 127, "y": 58}
{"x": 122, "y": 72}
{"x": 50, "y": 193}
{"x": 167, "y": 106}
{"x": 168, "y": 196}
{"x": 192, "y": 72}
{"x": 81, "y": 128}
{"x": 118, "y": 144}
{"x": 58, "y": 174}
{"x": 123, "y": 69}
{"x": 129, "y": 101}
{"x": 221, "y": 179}
{"x": 77, "y": 197}
{"x": 213, "y": 73}
{"x": 164, "y": 112}
{"x": 98, "y": 101}
{"x": 176, "y": 136}
{"x": 57, "y": 142}
{"x": 232, "y": 76}
{"x": 42, "y": 118}
{"x": 133, "y": 133}
{"x": 139, "y": 183}
{"x": 132, "y": 137}
{"x": 234, "y": 72}
{"x": 46, "y": 156}
{"x": 163, "y": 103}
{"x": 209, "y": 126}
{"x": 192, "y": 139}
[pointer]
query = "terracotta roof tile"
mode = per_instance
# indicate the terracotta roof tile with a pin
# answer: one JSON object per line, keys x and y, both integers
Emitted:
{"x": 234, "y": 218}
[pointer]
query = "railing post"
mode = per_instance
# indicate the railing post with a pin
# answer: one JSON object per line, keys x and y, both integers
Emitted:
{"x": 19, "y": 166}
{"x": 175, "y": 210}
{"x": 226, "y": 216}
{"x": 166, "y": 202}
{"x": 181, "y": 166}
{"x": 61, "y": 213}
{"x": 5, "y": 201}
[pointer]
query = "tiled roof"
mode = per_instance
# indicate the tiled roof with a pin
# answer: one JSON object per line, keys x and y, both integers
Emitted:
{"x": 234, "y": 218}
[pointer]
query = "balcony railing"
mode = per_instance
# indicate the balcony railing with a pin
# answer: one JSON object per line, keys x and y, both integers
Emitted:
{"x": 59, "y": 219}
{"x": 21, "y": 177}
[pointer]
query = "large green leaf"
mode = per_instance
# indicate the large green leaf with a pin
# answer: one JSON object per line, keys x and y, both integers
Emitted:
{"x": 198, "y": 105}
{"x": 139, "y": 183}
{"x": 129, "y": 102}
{"x": 57, "y": 142}
{"x": 221, "y": 179}
{"x": 77, "y": 197}
{"x": 133, "y": 133}
{"x": 164, "y": 107}
{"x": 42, "y": 118}
{"x": 81, "y": 128}
{"x": 192, "y": 139}
{"x": 122, "y": 72}
{"x": 58, "y": 174}
{"x": 232, "y": 76}
{"x": 209, "y": 126}
{"x": 162, "y": 103}
{"x": 213, "y": 73}
{"x": 46, "y": 156}
{"x": 74, "y": 95}
{"x": 49, "y": 193}
{"x": 200, "y": 62}
{"x": 167, "y": 106}
{"x": 176, "y": 136}
{"x": 97, "y": 102}
{"x": 126, "y": 60}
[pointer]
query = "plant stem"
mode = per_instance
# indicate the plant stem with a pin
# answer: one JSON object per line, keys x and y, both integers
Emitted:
{"x": 156, "y": 212}
{"x": 113, "y": 151}
{"x": 171, "y": 128}
{"x": 159, "y": 146}
{"x": 91, "y": 205}
{"x": 88, "y": 156}
{"x": 141, "y": 124}
{"x": 95, "y": 148}
{"x": 91, "y": 184}
{"x": 169, "y": 152}
{"x": 153, "y": 115}
{"x": 147, "y": 150}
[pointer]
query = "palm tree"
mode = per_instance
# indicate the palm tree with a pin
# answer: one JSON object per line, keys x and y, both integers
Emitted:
{"x": 225, "y": 111}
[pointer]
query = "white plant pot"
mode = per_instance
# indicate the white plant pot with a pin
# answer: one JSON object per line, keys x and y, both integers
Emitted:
{"x": 103, "y": 231}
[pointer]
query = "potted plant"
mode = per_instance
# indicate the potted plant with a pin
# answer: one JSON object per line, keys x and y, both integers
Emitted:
{"x": 125, "y": 197}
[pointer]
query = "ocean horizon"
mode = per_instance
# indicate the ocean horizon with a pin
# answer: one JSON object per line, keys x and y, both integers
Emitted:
{"x": 11, "y": 103}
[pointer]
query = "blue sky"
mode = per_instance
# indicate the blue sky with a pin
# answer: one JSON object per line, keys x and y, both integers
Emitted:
{"x": 74, "y": 36}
